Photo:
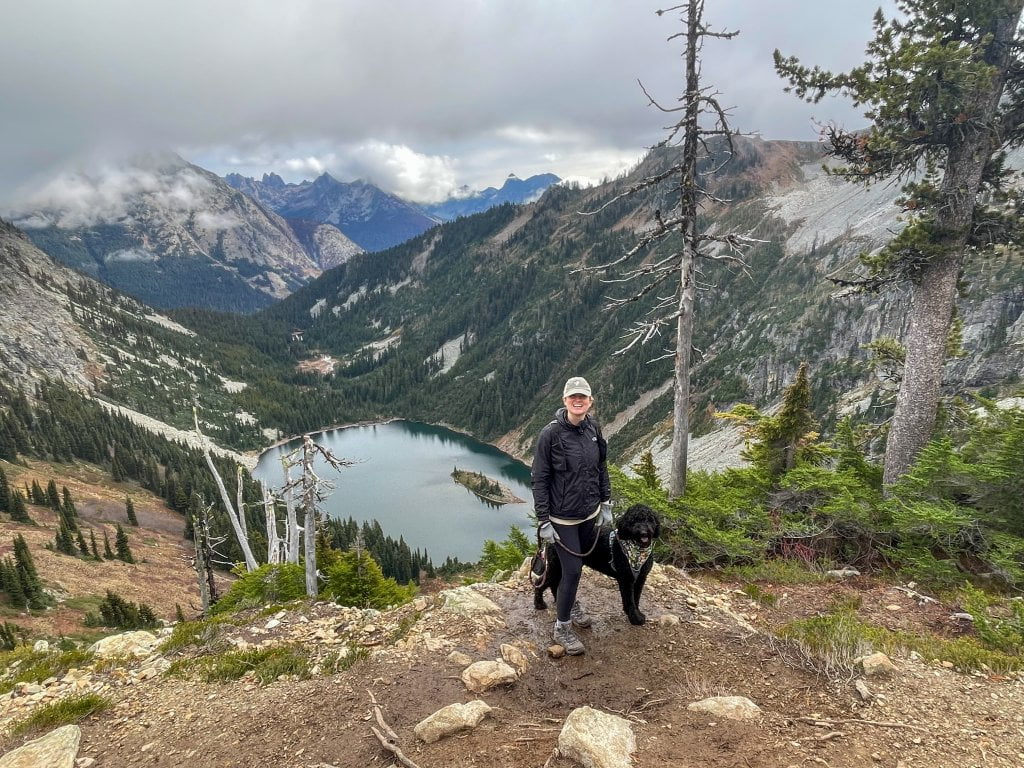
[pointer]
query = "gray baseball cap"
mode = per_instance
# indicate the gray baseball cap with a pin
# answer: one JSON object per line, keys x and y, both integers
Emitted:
{"x": 577, "y": 385}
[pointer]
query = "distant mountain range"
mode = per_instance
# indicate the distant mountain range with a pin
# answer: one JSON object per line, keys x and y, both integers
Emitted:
{"x": 175, "y": 235}
{"x": 368, "y": 216}
{"x": 514, "y": 190}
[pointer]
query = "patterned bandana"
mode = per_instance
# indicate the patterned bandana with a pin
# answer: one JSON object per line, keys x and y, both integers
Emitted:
{"x": 636, "y": 555}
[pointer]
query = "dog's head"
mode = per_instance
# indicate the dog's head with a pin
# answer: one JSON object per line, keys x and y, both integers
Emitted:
{"x": 640, "y": 524}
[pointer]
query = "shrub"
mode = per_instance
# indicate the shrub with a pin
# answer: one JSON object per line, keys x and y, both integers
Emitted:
{"x": 357, "y": 580}
{"x": 117, "y": 612}
{"x": 62, "y": 712}
{"x": 507, "y": 555}
{"x": 278, "y": 583}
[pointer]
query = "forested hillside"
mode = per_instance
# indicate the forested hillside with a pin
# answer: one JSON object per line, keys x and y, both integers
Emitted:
{"x": 477, "y": 322}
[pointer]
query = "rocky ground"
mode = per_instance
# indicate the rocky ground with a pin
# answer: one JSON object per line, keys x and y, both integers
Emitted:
{"x": 703, "y": 639}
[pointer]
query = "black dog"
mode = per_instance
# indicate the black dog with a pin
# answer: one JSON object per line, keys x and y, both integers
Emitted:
{"x": 634, "y": 537}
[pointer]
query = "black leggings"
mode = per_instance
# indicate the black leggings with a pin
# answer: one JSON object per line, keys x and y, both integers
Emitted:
{"x": 578, "y": 538}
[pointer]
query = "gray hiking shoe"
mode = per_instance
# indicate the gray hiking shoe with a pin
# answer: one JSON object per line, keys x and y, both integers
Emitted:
{"x": 580, "y": 617}
{"x": 565, "y": 637}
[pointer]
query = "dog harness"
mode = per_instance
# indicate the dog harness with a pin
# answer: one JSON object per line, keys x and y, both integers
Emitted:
{"x": 636, "y": 555}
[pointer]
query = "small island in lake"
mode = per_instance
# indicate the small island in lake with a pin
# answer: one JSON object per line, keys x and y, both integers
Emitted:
{"x": 484, "y": 487}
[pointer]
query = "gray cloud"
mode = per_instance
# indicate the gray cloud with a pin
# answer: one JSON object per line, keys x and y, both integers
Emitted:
{"x": 417, "y": 96}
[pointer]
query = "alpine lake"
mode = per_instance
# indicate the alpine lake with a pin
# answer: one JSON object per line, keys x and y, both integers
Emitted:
{"x": 402, "y": 478}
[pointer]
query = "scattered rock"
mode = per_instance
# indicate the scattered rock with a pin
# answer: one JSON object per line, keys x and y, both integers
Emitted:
{"x": 460, "y": 658}
{"x": 863, "y": 691}
{"x": 451, "y": 719}
{"x": 843, "y": 573}
{"x": 467, "y": 601}
{"x": 597, "y": 739}
{"x": 668, "y": 620}
{"x": 57, "y": 749}
{"x": 483, "y": 675}
{"x": 877, "y": 665}
{"x": 41, "y": 646}
{"x": 514, "y": 657}
{"x": 139, "y": 643}
{"x": 556, "y": 651}
{"x": 730, "y": 707}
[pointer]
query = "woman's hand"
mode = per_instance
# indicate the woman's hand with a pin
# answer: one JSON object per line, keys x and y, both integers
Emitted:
{"x": 546, "y": 533}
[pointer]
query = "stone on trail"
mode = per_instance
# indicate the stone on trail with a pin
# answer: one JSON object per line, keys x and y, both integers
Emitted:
{"x": 730, "y": 707}
{"x": 451, "y": 719}
{"x": 514, "y": 657}
{"x": 139, "y": 643}
{"x": 877, "y": 665}
{"x": 57, "y": 749}
{"x": 459, "y": 658}
{"x": 597, "y": 739}
{"x": 467, "y": 601}
{"x": 481, "y": 676}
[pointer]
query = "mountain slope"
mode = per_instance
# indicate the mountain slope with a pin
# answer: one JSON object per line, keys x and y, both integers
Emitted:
{"x": 368, "y": 216}
{"x": 514, "y": 190}
{"x": 172, "y": 234}
{"x": 477, "y": 323}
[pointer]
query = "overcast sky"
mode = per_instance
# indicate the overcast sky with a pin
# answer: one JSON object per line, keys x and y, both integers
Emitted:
{"x": 417, "y": 96}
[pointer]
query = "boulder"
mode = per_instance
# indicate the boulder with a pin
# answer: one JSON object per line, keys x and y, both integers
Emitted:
{"x": 451, "y": 719}
{"x": 138, "y": 643}
{"x": 877, "y": 665}
{"x": 466, "y": 601}
{"x": 483, "y": 675}
{"x": 729, "y": 707}
{"x": 57, "y": 749}
{"x": 596, "y": 739}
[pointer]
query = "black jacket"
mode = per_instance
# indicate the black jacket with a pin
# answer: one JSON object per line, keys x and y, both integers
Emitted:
{"x": 570, "y": 470}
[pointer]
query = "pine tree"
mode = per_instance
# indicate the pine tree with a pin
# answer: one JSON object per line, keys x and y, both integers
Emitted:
{"x": 129, "y": 509}
{"x": 68, "y": 506}
{"x": 83, "y": 546}
{"x": 19, "y": 509}
{"x": 92, "y": 545}
{"x": 5, "y": 492}
{"x": 646, "y": 471}
{"x": 107, "y": 553}
{"x": 64, "y": 540}
{"x": 52, "y": 497}
{"x": 121, "y": 547}
{"x": 943, "y": 88}
{"x": 12, "y": 584}
{"x": 27, "y": 574}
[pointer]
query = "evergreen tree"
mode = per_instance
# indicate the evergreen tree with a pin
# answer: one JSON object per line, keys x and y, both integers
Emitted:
{"x": 12, "y": 584}
{"x": 18, "y": 508}
{"x": 38, "y": 496}
{"x": 129, "y": 509}
{"x": 52, "y": 497}
{"x": 121, "y": 547}
{"x": 5, "y": 493}
{"x": 65, "y": 540}
{"x": 107, "y": 553}
{"x": 944, "y": 88}
{"x": 27, "y": 574}
{"x": 83, "y": 546}
{"x": 68, "y": 506}
{"x": 92, "y": 545}
{"x": 646, "y": 471}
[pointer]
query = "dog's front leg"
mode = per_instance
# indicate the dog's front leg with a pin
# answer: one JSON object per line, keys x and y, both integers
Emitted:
{"x": 628, "y": 593}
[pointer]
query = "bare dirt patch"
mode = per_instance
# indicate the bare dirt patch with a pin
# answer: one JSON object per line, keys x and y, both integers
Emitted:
{"x": 161, "y": 577}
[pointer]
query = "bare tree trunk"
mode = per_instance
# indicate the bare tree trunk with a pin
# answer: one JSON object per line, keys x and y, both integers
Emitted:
{"x": 291, "y": 525}
{"x": 233, "y": 515}
{"x": 270, "y": 515}
{"x": 309, "y": 507}
{"x": 199, "y": 537}
{"x": 935, "y": 293}
{"x": 687, "y": 293}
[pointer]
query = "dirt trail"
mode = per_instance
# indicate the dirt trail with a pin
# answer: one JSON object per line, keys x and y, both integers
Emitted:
{"x": 647, "y": 674}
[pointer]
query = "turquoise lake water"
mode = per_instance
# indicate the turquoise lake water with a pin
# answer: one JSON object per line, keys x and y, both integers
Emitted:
{"x": 402, "y": 479}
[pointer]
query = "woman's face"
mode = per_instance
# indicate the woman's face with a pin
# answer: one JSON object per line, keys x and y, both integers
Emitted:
{"x": 577, "y": 406}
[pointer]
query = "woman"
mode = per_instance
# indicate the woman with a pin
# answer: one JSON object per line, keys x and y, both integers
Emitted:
{"x": 571, "y": 492}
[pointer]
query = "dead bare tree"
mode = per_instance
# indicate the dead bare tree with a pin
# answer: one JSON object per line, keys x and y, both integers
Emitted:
{"x": 314, "y": 490}
{"x": 703, "y": 120}
{"x": 236, "y": 515}
{"x": 206, "y": 552}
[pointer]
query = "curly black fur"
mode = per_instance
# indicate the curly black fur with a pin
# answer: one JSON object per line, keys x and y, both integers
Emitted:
{"x": 639, "y": 524}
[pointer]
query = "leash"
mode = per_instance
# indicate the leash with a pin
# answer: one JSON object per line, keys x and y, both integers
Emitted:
{"x": 597, "y": 537}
